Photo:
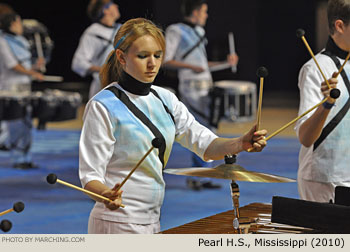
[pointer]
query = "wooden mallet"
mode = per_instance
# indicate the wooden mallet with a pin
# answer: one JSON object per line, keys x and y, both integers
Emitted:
{"x": 261, "y": 73}
{"x": 342, "y": 66}
{"x": 52, "y": 179}
{"x": 335, "y": 92}
{"x": 292, "y": 121}
{"x": 17, "y": 207}
{"x": 295, "y": 119}
{"x": 5, "y": 225}
{"x": 156, "y": 143}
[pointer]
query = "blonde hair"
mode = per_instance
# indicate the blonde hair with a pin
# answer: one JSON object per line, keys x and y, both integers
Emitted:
{"x": 129, "y": 32}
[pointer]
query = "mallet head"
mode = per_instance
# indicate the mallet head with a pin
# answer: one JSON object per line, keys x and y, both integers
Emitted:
{"x": 156, "y": 143}
{"x": 300, "y": 33}
{"x": 5, "y": 225}
{"x": 51, "y": 178}
{"x": 18, "y": 207}
{"x": 335, "y": 93}
{"x": 262, "y": 72}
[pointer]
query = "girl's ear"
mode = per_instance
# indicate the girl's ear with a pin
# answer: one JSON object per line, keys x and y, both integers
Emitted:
{"x": 120, "y": 56}
{"x": 339, "y": 26}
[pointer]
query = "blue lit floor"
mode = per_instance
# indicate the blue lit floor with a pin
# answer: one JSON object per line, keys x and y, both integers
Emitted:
{"x": 62, "y": 210}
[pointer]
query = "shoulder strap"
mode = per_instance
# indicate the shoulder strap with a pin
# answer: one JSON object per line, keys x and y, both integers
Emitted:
{"x": 12, "y": 40}
{"x": 142, "y": 117}
{"x": 165, "y": 106}
{"x": 110, "y": 41}
{"x": 201, "y": 39}
{"x": 338, "y": 117}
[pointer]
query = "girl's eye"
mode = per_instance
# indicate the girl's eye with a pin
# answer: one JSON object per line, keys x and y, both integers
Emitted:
{"x": 157, "y": 56}
{"x": 141, "y": 56}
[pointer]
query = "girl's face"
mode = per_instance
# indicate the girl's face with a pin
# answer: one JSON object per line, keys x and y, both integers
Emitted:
{"x": 143, "y": 59}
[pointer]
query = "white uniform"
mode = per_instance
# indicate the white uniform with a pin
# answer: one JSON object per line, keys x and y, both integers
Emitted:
{"x": 113, "y": 140}
{"x": 325, "y": 164}
{"x": 14, "y": 50}
{"x": 193, "y": 87}
{"x": 16, "y": 134}
{"x": 94, "y": 46}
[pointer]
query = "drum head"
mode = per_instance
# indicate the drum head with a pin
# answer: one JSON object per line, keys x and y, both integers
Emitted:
{"x": 236, "y": 86}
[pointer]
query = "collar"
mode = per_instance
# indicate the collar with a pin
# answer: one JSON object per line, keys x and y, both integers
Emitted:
{"x": 8, "y": 32}
{"x": 334, "y": 49}
{"x": 192, "y": 25}
{"x": 130, "y": 84}
{"x": 107, "y": 26}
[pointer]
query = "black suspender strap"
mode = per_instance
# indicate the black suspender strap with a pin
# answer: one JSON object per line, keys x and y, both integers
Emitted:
{"x": 193, "y": 47}
{"x": 110, "y": 41}
{"x": 165, "y": 106}
{"x": 142, "y": 117}
{"x": 340, "y": 115}
{"x": 201, "y": 39}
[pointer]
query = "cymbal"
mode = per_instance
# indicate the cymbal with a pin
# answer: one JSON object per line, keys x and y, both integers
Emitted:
{"x": 229, "y": 171}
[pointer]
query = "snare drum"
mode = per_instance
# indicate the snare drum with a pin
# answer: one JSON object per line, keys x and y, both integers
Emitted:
{"x": 234, "y": 101}
{"x": 13, "y": 105}
{"x": 55, "y": 105}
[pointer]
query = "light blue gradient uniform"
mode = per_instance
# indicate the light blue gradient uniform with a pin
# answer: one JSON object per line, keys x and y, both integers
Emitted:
{"x": 113, "y": 140}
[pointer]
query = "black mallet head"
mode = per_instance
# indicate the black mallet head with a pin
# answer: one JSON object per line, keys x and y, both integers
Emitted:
{"x": 300, "y": 33}
{"x": 18, "y": 207}
{"x": 262, "y": 72}
{"x": 335, "y": 93}
{"x": 5, "y": 225}
{"x": 51, "y": 178}
{"x": 156, "y": 143}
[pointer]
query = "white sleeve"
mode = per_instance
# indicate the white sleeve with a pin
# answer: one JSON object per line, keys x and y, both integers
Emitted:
{"x": 310, "y": 80}
{"x": 96, "y": 144}
{"x": 190, "y": 133}
{"x": 172, "y": 40}
{"x": 6, "y": 55}
{"x": 83, "y": 56}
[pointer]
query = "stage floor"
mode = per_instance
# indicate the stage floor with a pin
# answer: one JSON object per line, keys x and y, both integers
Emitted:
{"x": 62, "y": 210}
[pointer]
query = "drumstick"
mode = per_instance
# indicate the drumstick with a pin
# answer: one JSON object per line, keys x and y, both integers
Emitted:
{"x": 342, "y": 66}
{"x": 300, "y": 34}
{"x": 5, "y": 225}
{"x": 261, "y": 73}
{"x": 53, "y": 78}
{"x": 295, "y": 119}
{"x": 17, "y": 207}
{"x": 231, "y": 43}
{"x": 219, "y": 67}
{"x": 52, "y": 179}
{"x": 156, "y": 143}
{"x": 39, "y": 49}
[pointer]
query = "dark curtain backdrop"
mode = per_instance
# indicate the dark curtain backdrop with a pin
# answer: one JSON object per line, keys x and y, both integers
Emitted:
{"x": 264, "y": 32}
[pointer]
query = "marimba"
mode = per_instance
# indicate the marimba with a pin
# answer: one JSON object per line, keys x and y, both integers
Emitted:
{"x": 255, "y": 216}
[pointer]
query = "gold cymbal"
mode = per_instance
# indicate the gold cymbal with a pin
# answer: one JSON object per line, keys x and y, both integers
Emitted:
{"x": 229, "y": 171}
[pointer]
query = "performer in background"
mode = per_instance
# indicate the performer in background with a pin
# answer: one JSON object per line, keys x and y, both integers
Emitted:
{"x": 120, "y": 123}
{"x": 185, "y": 43}
{"x": 96, "y": 41}
{"x": 324, "y": 134}
{"x": 16, "y": 74}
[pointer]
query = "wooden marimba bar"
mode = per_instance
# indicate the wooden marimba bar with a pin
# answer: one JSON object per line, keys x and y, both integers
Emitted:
{"x": 258, "y": 215}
